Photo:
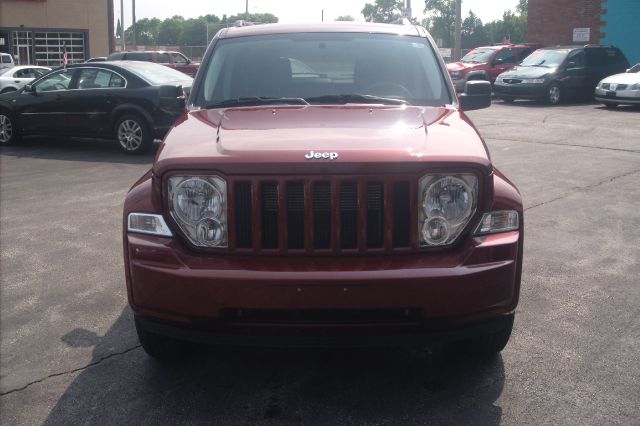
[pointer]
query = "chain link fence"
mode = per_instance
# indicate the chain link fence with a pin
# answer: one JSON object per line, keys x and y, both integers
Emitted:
{"x": 193, "y": 52}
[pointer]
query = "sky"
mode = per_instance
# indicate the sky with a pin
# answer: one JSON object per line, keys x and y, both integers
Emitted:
{"x": 291, "y": 11}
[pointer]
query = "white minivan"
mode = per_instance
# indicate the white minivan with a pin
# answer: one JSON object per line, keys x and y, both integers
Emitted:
{"x": 6, "y": 60}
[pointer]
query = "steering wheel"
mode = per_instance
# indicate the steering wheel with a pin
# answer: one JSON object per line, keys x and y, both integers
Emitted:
{"x": 378, "y": 89}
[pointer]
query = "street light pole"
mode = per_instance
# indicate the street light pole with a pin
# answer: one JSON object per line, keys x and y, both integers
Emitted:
{"x": 124, "y": 44}
{"x": 457, "y": 52}
{"x": 133, "y": 3}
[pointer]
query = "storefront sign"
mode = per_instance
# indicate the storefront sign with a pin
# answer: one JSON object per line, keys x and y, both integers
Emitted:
{"x": 581, "y": 34}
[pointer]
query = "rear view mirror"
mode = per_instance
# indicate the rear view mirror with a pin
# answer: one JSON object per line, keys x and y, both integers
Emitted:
{"x": 477, "y": 95}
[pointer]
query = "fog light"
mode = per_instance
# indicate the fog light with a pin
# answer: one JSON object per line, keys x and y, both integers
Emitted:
{"x": 210, "y": 232}
{"x": 435, "y": 231}
{"x": 498, "y": 221}
{"x": 148, "y": 223}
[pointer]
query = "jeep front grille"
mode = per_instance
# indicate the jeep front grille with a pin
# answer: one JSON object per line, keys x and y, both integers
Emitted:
{"x": 359, "y": 214}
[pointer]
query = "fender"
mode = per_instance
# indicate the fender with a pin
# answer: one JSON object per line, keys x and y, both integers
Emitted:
{"x": 473, "y": 75}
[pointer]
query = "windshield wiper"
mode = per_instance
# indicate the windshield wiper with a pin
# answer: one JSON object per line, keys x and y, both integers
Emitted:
{"x": 354, "y": 98}
{"x": 257, "y": 100}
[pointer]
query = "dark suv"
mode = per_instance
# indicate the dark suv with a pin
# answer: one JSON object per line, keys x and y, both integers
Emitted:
{"x": 324, "y": 188}
{"x": 485, "y": 63}
{"x": 554, "y": 74}
{"x": 175, "y": 60}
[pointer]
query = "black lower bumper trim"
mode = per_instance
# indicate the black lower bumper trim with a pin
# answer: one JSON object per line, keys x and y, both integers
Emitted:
{"x": 327, "y": 337}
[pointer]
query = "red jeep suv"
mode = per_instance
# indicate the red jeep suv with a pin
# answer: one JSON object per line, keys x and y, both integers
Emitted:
{"x": 486, "y": 63}
{"x": 346, "y": 200}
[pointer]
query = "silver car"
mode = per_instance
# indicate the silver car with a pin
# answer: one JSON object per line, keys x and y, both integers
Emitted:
{"x": 620, "y": 88}
{"x": 12, "y": 79}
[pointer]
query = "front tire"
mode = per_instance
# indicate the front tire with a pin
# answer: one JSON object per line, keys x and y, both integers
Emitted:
{"x": 554, "y": 94}
{"x": 8, "y": 90}
{"x": 490, "y": 344}
{"x": 161, "y": 347}
{"x": 132, "y": 135}
{"x": 8, "y": 129}
{"x": 507, "y": 99}
{"x": 610, "y": 104}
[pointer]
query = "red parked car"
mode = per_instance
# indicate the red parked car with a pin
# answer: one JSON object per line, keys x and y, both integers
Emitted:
{"x": 346, "y": 200}
{"x": 487, "y": 62}
{"x": 175, "y": 60}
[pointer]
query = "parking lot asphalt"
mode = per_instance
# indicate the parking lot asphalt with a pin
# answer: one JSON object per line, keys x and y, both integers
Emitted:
{"x": 69, "y": 353}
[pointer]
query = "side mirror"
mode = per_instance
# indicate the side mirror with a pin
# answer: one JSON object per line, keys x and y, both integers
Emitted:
{"x": 477, "y": 95}
{"x": 571, "y": 64}
{"x": 498, "y": 61}
{"x": 29, "y": 88}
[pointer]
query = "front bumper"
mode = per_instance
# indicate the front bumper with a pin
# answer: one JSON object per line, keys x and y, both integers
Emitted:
{"x": 520, "y": 90}
{"x": 440, "y": 291}
{"x": 629, "y": 97}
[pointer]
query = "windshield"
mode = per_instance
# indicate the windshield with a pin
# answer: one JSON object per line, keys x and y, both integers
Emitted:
{"x": 545, "y": 58}
{"x": 480, "y": 55}
{"x": 5, "y": 70}
{"x": 156, "y": 75}
{"x": 322, "y": 68}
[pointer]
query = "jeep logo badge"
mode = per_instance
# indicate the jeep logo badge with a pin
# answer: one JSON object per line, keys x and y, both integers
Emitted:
{"x": 312, "y": 155}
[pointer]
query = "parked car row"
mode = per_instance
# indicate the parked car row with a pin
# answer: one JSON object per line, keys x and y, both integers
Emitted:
{"x": 551, "y": 74}
{"x": 131, "y": 102}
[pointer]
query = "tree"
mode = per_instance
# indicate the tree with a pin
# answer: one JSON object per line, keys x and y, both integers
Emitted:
{"x": 473, "y": 32}
{"x": 523, "y": 7}
{"x": 441, "y": 16}
{"x": 170, "y": 30}
{"x": 384, "y": 11}
{"x": 146, "y": 31}
{"x": 345, "y": 18}
{"x": 263, "y": 18}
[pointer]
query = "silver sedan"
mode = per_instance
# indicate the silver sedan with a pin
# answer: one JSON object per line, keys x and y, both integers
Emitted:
{"x": 12, "y": 79}
{"x": 620, "y": 88}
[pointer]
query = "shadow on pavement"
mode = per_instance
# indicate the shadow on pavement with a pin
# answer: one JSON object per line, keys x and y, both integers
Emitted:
{"x": 268, "y": 386}
{"x": 74, "y": 149}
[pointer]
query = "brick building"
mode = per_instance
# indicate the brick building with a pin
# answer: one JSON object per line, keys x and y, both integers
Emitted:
{"x": 580, "y": 22}
{"x": 35, "y": 31}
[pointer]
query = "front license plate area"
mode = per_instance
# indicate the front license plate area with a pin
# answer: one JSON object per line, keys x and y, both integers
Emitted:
{"x": 610, "y": 94}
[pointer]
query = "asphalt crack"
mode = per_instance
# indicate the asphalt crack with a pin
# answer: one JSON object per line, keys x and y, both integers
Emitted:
{"x": 75, "y": 370}
{"x": 582, "y": 188}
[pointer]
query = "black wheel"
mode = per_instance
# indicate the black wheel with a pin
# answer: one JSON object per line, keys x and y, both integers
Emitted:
{"x": 8, "y": 90}
{"x": 490, "y": 344}
{"x": 132, "y": 134}
{"x": 611, "y": 104}
{"x": 160, "y": 347}
{"x": 507, "y": 99}
{"x": 8, "y": 129}
{"x": 554, "y": 94}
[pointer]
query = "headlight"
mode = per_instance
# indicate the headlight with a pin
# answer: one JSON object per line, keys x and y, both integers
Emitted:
{"x": 198, "y": 204}
{"x": 533, "y": 80}
{"x": 447, "y": 204}
{"x": 455, "y": 73}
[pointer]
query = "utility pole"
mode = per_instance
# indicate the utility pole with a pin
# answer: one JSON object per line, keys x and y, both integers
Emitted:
{"x": 457, "y": 52}
{"x": 407, "y": 9}
{"x": 124, "y": 44}
{"x": 322, "y": 17}
{"x": 246, "y": 10}
{"x": 133, "y": 3}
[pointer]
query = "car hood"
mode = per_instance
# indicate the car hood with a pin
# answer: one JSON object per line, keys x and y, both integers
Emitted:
{"x": 462, "y": 66}
{"x": 276, "y": 139}
{"x": 624, "y": 78}
{"x": 526, "y": 72}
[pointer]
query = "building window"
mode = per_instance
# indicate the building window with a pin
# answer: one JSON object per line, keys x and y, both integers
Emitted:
{"x": 48, "y": 47}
